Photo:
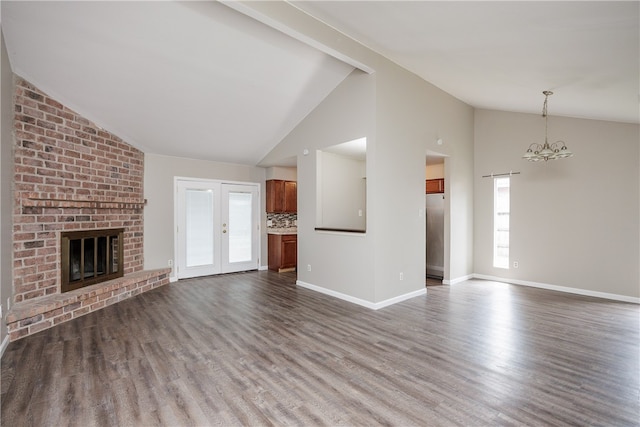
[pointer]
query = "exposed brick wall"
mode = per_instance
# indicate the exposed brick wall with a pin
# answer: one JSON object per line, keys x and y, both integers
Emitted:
{"x": 69, "y": 175}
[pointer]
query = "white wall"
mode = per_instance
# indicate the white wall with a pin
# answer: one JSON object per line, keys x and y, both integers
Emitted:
{"x": 574, "y": 222}
{"x": 6, "y": 174}
{"x": 159, "y": 173}
{"x": 283, "y": 173}
{"x": 411, "y": 115}
{"x": 401, "y": 115}
{"x": 340, "y": 263}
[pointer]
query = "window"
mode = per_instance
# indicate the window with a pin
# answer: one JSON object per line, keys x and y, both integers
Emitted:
{"x": 501, "y": 222}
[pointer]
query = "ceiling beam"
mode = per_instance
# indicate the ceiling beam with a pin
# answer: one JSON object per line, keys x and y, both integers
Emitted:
{"x": 285, "y": 17}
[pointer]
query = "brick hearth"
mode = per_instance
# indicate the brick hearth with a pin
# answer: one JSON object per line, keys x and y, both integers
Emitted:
{"x": 36, "y": 314}
{"x": 69, "y": 175}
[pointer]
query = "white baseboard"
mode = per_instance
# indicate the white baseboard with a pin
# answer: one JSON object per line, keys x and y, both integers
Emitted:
{"x": 457, "y": 280}
{"x": 361, "y": 302}
{"x": 3, "y": 346}
{"x": 263, "y": 267}
{"x": 577, "y": 291}
{"x": 173, "y": 279}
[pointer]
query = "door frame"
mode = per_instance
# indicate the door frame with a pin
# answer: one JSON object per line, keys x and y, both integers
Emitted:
{"x": 213, "y": 182}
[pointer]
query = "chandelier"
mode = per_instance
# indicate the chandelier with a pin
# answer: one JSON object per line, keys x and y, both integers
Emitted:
{"x": 546, "y": 151}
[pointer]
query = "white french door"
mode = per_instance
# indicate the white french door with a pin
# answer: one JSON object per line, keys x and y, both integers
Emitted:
{"x": 240, "y": 231}
{"x": 217, "y": 227}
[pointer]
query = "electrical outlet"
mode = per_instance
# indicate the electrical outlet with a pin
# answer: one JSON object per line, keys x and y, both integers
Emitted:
{"x": 308, "y": 267}
{"x": 401, "y": 276}
{"x": 515, "y": 264}
{"x": 170, "y": 263}
{"x": 359, "y": 212}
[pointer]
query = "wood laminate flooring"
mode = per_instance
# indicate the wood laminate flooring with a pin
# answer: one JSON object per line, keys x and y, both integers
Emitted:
{"x": 433, "y": 281}
{"x": 253, "y": 349}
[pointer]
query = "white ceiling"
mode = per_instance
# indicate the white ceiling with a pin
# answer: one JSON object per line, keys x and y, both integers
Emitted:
{"x": 201, "y": 80}
{"x": 189, "y": 79}
{"x": 356, "y": 149}
{"x": 503, "y": 54}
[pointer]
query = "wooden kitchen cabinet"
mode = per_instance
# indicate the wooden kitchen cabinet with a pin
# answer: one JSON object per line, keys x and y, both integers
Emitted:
{"x": 435, "y": 186}
{"x": 282, "y": 196}
{"x": 283, "y": 252}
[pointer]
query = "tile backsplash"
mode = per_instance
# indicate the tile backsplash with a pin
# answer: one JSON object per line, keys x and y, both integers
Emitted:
{"x": 281, "y": 220}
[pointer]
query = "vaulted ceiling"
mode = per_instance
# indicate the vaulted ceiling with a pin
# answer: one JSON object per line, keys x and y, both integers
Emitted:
{"x": 503, "y": 54}
{"x": 202, "y": 80}
{"x": 186, "y": 79}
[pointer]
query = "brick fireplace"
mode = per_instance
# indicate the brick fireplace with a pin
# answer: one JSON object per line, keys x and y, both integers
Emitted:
{"x": 70, "y": 176}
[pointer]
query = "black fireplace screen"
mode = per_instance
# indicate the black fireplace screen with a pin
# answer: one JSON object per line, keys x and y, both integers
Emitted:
{"x": 90, "y": 257}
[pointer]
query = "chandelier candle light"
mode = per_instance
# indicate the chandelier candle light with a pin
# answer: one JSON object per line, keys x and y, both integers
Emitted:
{"x": 546, "y": 151}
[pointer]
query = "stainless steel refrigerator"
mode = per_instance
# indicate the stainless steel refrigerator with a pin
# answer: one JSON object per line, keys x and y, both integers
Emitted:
{"x": 435, "y": 235}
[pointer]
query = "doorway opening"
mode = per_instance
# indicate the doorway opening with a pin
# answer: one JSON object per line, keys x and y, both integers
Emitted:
{"x": 435, "y": 187}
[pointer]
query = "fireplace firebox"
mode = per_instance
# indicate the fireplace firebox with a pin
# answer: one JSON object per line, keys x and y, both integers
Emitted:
{"x": 91, "y": 256}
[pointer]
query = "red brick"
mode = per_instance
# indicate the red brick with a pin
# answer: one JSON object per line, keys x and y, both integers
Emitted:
{"x": 29, "y": 321}
{"x": 53, "y": 103}
{"x": 63, "y": 318}
{"x": 81, "y": 311}
{"x": 40, "y": 326}
{"x": 24, "y": 254}
{"x": 53, "y": 313}
{"x": 89, "y": 301}
{"x": 111, "y": 300}
{"x": 33, "y": 129}
{"x": 72, "y": 307}
{"x": 15, "y": 335}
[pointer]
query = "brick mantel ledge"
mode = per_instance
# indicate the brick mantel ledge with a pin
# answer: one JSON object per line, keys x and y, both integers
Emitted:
{"x": 31, "y": 316}
{"x": 34, "y": 200}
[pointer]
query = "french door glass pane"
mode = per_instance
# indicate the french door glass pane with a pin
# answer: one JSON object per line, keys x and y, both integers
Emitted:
{"x": 199, "y": 227}
{"x": 240, "y": 227}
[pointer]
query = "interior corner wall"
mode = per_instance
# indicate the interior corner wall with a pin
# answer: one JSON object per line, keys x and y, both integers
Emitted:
{"x": 402, "y": 117}
{"x": 411, "y": 115}
{"x": 574, "y": 222}
{"x": 159, "y": 173}
{"x": 6, "y": 180}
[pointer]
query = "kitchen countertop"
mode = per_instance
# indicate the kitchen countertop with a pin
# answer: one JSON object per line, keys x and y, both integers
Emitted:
{"x": 289, "y": 230}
